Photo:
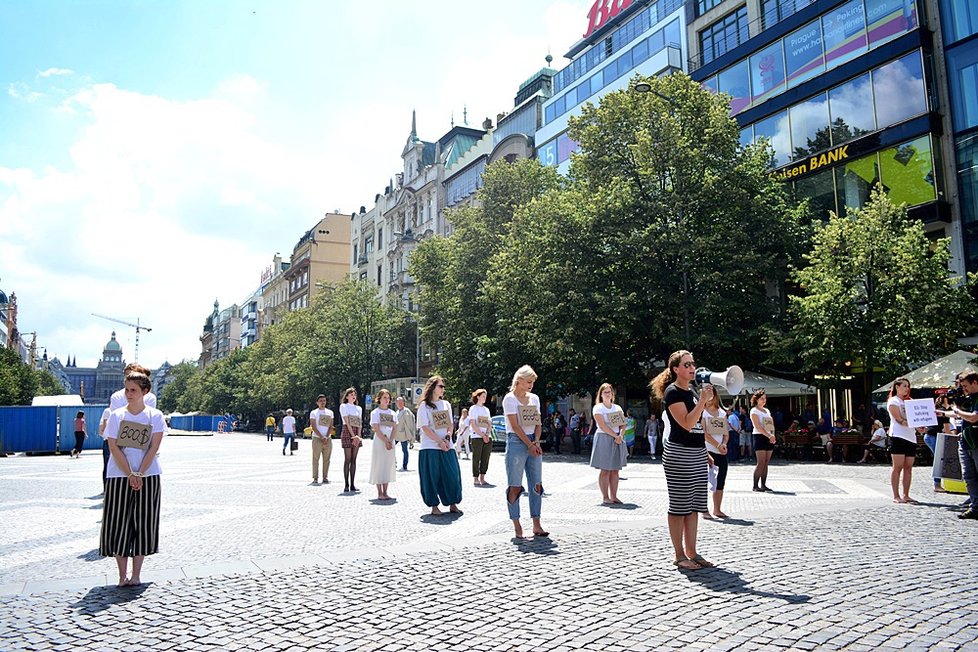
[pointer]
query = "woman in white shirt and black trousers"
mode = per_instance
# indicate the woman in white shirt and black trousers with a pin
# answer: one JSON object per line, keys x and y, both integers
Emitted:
{"x": 438, "y": 470}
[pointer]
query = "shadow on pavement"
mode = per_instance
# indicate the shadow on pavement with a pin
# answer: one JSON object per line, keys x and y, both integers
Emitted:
{"x": 91, "y": 555}
{"x": 731, "y": 521}
{"x": 721, "y": 579}
{"x": 536, "y": 546}
{"x": 444, "y": 519}
{"x": 383, "y": 501}
{"x": 626, "y": 506}
{"x": 101, "y": 598}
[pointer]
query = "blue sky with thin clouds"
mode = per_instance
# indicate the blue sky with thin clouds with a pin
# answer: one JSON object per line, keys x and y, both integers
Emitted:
{"x": 156, "y": 155}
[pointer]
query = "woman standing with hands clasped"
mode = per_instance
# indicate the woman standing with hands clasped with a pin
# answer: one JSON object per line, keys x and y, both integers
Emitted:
{"x": 684, "y": 457}
{"x": 480, "y": 424}
{"x": 608, "y": 452}
{"x": 350, "y": 439}
{"x": 523, "y": 452}
{"x": 715, "y": 427}
{"x": 903, "y": 441}
{"x": 441, "y": 478}
{"x": 131, "y": 509}
{"x": 383, "y": 420}
{"x": 764, "y": 439}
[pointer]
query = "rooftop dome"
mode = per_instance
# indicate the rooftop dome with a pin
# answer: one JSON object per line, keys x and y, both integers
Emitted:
{"x": 112, "y": 345}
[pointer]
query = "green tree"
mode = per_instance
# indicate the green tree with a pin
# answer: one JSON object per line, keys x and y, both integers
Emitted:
{"x": 875, "y": 289}
{"x": 175, "y": 397}
{"x": 19, "y": 384}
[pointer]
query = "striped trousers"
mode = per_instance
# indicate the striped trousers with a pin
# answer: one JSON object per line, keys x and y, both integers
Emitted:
{"x": 130, "y": 519}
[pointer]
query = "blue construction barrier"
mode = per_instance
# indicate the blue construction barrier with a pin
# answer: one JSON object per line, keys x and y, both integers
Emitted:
{"x": 29, "y": 429}
{"x": 198, "y": 423}
{"x": 93, "y": 414}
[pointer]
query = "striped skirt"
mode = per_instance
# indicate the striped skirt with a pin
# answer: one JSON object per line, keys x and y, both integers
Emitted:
{"x": 686, "y": 478}
{"x": 130, "y": 519}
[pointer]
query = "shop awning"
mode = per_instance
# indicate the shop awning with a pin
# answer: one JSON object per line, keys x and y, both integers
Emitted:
{"x": 939, "y": 373}
{"x": 772, "y": 385}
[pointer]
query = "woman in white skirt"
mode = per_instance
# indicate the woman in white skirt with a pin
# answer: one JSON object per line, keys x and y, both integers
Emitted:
{"x": 608, "y": 452}
{"x": 463, "y": 433}
{"x": 383, "y": 468}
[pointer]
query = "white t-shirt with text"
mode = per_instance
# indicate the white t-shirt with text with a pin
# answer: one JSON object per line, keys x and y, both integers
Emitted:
{"x": 426, "y": 418}
{"x": 512, "y": 405}
{"x": 134, "y": 456}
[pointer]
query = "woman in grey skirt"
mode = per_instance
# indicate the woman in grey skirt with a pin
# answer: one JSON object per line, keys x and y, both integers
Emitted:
{"x": 608, "y": 452}
{"x": 684, "y": 457}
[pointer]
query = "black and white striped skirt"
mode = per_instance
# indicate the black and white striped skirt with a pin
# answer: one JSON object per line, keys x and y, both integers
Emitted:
{"x": 130, "y": 519}
{"x": 686, "y": 478}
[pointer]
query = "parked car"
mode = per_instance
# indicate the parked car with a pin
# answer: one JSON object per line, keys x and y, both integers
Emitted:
{"x": 499, "y": 434}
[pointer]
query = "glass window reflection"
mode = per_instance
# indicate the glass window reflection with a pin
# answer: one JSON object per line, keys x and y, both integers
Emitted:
{"x": 854, "y": 181}
{"x": 767, "y": 73}
{"x": 899, "y": 90}
{"x": 962, "y": 63}
{"x": 887, "y": 19}
{"x": 960, "y": 19}
{"x": 735, "y": 82}
{"x": 810, "y": 127}
{"x": 803, "y": 53}
{"x": 851, "y": 109}
{"x": 844, "y": 33}
{"x": 820, "y": 192}
{"x": 907, "y": 172}
{"x": 775, "y": 129}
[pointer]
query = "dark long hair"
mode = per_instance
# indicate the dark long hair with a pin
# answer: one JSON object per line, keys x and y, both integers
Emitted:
{"x": 668, "y": 376}
{"x": 429, "y": 389}
{"x": 898, "y": 381}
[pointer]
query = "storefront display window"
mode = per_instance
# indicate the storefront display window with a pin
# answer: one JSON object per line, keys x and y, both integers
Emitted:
{"x": 820, "y": 191}
{"x": 855, "y": 180}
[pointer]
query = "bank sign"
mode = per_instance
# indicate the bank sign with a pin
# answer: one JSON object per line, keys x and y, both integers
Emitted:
{"x": 826, "y": 159}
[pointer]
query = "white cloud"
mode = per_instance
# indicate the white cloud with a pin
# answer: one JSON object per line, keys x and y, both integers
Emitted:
{"x": 21, "y": 91}
{"x": 53, "y": 72}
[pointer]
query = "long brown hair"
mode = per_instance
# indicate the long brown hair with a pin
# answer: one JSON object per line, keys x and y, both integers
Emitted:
{"x": 898, "y": 381}
{"x": 756, "y": 396}
{"x": 663, "y": 380}
{"x": 597, "y": 398}
{"x": 429, "y": 389}
{"x": 347, "y": 392}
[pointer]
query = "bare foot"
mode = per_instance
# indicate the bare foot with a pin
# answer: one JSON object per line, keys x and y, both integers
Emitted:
{"x": 455, "y": 510}
{"x": 518, "y": 529}
{"x": 123, "y": 581}
{"x": 133, "y": 581}
{"x": 720, "y": 514}
{"x": 436, "y": 512}
{"x": 898, "y": 500}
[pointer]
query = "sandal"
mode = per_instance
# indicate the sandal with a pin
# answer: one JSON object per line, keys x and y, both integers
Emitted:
{"x": 685, "y": 563}
{"x": 698, "y": 559}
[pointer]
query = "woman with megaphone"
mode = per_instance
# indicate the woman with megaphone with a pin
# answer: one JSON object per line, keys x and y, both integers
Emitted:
{"x": 684, "y": 456}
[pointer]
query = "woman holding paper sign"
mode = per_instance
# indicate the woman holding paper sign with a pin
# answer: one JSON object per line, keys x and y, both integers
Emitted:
{"x": 438, "y": 470}
{"x": 480, "y": 424}
{"x": 609, "y": 452}
{"x": 903, "y": 441}
{"x": 523, "y": 452}
{"x": 131, "y": 509}
{"x": 350, "y": 440}
{"x": 714, "y": 422}
{"x": 383, "y": 420}
{"x": 764, "y": 438}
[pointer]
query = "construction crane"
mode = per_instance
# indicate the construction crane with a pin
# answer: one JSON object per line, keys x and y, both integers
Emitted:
{"x": 126, "y": 323}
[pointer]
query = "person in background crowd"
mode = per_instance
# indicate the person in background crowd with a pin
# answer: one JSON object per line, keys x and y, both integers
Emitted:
{"x": 684, "y": 456}
{"x": 524, "y": 455}
{"x": 269, "y": 427}
{"x": 967, "y": 411}
{"x": 734, "y": 435}
{"x": 629, "y": 432}
{"x": 463, "y": 433}
{"x": 903, "y": 441}
{"x": 764, "y": 438}
{"x": 574, "y": 423}
{"x": 350, "y": 438}
{"x": 716, "y": 446}
{"x": 557, "y": 426}
{"x": 407, "y": 430}
{"x": 652, "y": 433}
{"x": 383, "y": 462}
{"x": 480, "y": 425}
{"x": 79, "y": 434}
{"x": 747, "y": 438}
{"x": 878, "y": 439}
{"x": 438, "y": 470}
{"x": 102, "y": 422}
{"x": 321, "y": 422}
{"x": 131, "y": 509}
{"x": 609, "y": 451}
{"x": 288, "y": 431}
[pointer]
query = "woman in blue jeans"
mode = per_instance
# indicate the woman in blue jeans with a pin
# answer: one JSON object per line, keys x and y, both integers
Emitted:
{"x": 523, "y": 452}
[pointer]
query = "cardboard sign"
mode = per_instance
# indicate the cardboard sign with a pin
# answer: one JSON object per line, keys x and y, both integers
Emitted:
{"x": 921, "y": 412}
{"x": 386, "y": 420}
{"x": 133, "y": 435}
{"x": 324, "y": 421}
{"x": 530, "y": 416}
{"x": 768, "y": 424}
{"x": 353, "y": 422}
{"x": 441, "y": 419}
{"x": 484, "y": 423}
{"x": 716, "y": 426}
{"x": 616, "y": 418}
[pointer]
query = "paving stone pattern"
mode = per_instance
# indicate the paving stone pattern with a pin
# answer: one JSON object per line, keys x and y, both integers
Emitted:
{"x": 256, "y": 559}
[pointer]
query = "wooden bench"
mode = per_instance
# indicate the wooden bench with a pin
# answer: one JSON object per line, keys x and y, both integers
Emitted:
{"x": 847, "y": 438}
{"x": 802, "y": 444}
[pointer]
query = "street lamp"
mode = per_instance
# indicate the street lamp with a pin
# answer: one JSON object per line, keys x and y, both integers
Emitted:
{"x": 646, "y": 87}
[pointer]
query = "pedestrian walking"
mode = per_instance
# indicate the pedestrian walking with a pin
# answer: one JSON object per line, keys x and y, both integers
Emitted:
{"x": 764, "y": 438}
{"x": 714, "y": 421}
{"x": 350, "y": 437}
{"x": 288, "y": 431}
{"x": 480, "y": 425}
{"x": 524, "y": 455}
{"x": 79, "y": 434}
{"x": 463, "y": 433}
{"x": 903, "y": 441}
{"x": 629, "y": 433}
{"x": 383, "y": 422}
{"x": 131, "y": 508}
{"x": 269, "y": 427}
{"x": 407, "y": 429}
{"x": 557, "y": 427}
{"x": 441, "y": 478}
{"x": 321, "y": 422}
{"x": 684, "y": 456}
{"x": 609, "y": 451}
{"x": 652, "y": 433}
{"x": 574, "y": 423}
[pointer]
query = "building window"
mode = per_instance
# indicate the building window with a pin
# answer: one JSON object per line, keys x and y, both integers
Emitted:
{"x": 368, "y": 245}
{"x": 380, "y": 238}
{"x": 703, "y": 6}
{"x": 355, "y": 254}
{"x": 774, "y": 11}
{"x": 379, "y": 270}
{"x": 960, "y": 19}
{"x": 724, "y": 35}
{"x": 962, "y": 66}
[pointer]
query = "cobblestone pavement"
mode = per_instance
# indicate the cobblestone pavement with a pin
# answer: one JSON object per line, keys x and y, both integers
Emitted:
{"x": 255, "y": 557}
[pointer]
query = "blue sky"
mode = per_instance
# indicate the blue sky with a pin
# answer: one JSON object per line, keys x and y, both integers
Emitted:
{"x": 156, "y": 155}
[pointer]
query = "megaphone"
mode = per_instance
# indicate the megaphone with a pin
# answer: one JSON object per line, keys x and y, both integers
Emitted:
{"x": 732, "y": 380}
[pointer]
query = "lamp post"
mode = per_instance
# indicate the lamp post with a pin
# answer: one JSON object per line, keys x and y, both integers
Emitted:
{"x": 645, "y": 87}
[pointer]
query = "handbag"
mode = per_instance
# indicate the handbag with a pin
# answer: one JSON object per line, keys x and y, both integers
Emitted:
{"x": 294, "y": 445}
